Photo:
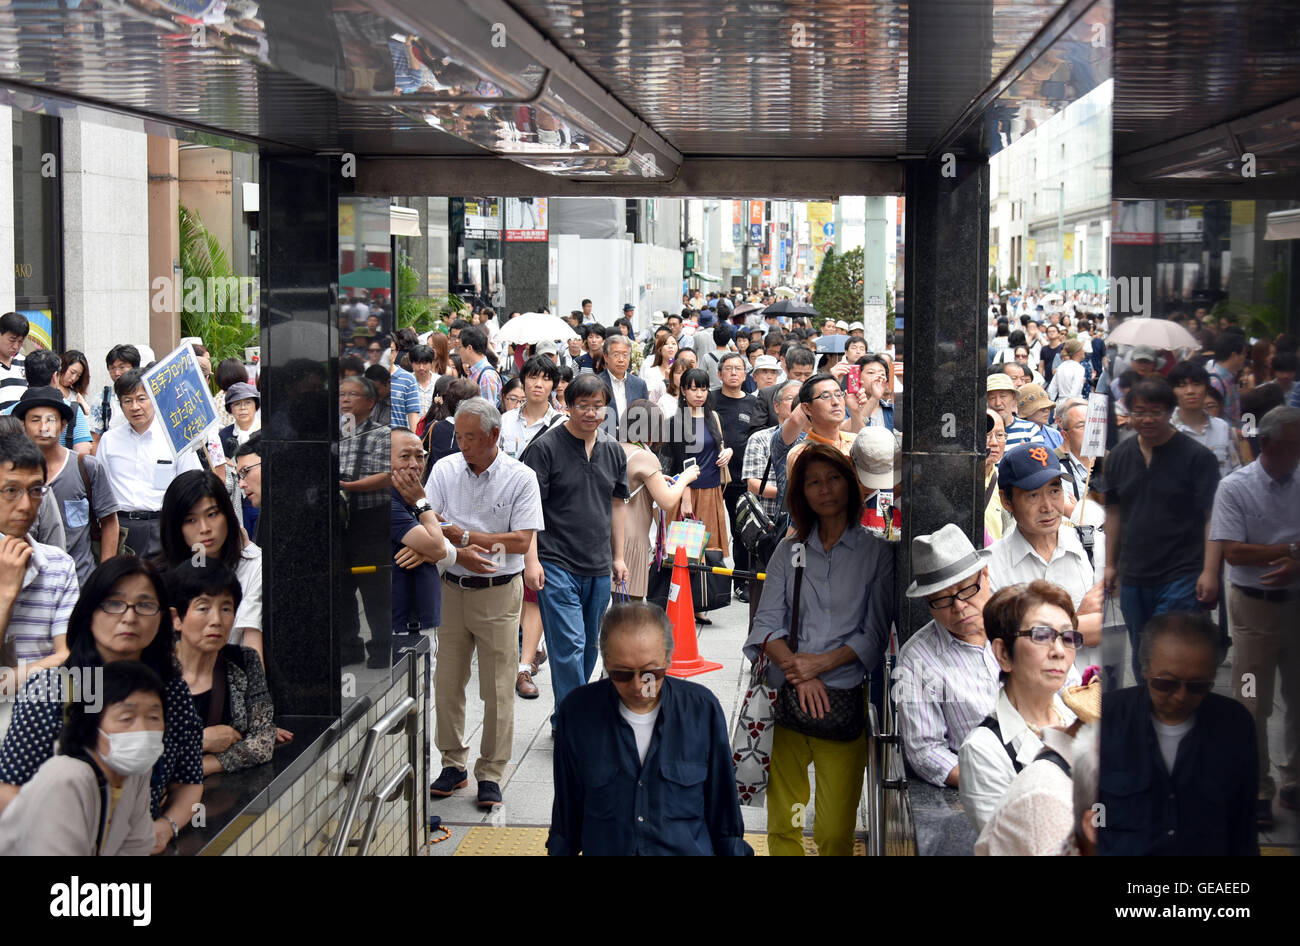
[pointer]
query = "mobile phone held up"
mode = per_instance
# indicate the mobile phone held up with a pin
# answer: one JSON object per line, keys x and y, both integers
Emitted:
{"x": 853, "y": 380}
{"x": 688, "y": 463}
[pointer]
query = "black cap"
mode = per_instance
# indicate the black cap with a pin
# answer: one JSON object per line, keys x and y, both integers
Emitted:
{"x": 43, "y": 397}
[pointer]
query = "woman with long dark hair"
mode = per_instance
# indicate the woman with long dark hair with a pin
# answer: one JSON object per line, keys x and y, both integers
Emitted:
{"x": 119, "y": 616}
{"x": 440, "y": 437}
{"x": 823, "y": 621}
{"x": 197, "y": 515}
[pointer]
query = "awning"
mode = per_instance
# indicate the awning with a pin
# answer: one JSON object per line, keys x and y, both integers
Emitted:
{"x": 705, "y": 277}
{"x": 1283, "y": 225}
{"x": 403, "y": 221}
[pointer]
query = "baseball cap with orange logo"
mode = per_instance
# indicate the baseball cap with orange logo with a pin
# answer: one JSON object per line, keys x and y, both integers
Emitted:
{"x": 1029, "y": 466}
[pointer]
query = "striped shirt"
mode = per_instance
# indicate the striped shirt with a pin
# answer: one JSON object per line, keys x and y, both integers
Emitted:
{"x": 44, "y": 604}
{"x": 13, "y": 381}
{"x": 1024, "y": 431}
{"x": 757, "y": 451}
{"x": 488, "y": 380}
{"x": 943, "y": 688}
{"x": 403, "y": 396}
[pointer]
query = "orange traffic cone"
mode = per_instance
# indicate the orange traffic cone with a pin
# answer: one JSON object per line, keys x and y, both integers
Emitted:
{"x": 681, "y": 612}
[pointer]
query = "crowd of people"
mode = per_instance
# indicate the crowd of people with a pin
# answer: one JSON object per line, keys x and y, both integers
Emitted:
{"x": 515, "y": 491}
{"x": 133, "y": 648}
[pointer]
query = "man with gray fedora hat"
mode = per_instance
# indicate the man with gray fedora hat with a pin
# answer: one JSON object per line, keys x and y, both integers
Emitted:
{"x": 946, "y": 680}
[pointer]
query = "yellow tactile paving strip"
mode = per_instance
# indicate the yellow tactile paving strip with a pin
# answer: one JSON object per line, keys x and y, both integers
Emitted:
{"x": 492, "y": 841}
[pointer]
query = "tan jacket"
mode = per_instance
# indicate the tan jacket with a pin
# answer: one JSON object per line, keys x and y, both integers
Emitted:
{"x": 57, "y": 813}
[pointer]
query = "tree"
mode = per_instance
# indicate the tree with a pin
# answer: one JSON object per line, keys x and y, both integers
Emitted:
{"x": 208, "y": 309}
{"x": 416, "y": 311}
{"x": 834, "y": 294}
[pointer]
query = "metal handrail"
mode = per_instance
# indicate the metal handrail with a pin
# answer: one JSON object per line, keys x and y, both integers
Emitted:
{"x": 875, "y": 793}
{"x": 386, "y": 724}
{"x": 377, "y": 803}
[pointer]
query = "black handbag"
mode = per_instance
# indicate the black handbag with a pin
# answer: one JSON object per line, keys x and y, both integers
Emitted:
{"x": 709, "y": 591}
{"x": 843, "y": 722}
{"x": 756, "y": 531}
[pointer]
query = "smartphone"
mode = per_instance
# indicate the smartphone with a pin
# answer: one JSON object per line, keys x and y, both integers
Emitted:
{"x": 854, "y": 379}
{"x": 690, "y": 462}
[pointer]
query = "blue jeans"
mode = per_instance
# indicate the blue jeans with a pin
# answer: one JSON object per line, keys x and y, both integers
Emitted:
{"x": 1140, "y": 603}
{"x": 572, "y": 606}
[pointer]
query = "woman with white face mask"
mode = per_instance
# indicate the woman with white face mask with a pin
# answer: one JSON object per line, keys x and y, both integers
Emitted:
{"x": 118, "y": 617}
{"x": 93, "y": 797}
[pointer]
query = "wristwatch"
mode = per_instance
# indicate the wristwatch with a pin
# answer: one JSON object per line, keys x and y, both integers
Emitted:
{"x": 421, "y": 507}
{"x": 464, "y": 538}
{"x": 1295, "y": 549}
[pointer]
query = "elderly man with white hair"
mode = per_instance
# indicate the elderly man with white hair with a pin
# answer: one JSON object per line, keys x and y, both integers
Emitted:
{"x": 490, "y": 500}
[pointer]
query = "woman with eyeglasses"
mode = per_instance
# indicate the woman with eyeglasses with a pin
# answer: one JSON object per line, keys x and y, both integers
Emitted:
{"x": 995, "y": 441}
{"x": 823, "y": 622}
{"x": 119, "y": 616}
{"x": 1034, "y": 633}
{"x": 512, "y": 394}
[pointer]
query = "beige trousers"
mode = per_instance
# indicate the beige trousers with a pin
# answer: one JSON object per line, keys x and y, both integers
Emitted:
{"x": 1266, "y": 643}
{"x": 486, "y": 620}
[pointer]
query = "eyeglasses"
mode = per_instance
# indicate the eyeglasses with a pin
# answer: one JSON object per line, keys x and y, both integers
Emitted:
{"x": 243, "y": 474}
{"x": 35, "y": 493}
{"x": 962, "y": 594}
{"x": 627, "y": 676}
{"x": 1194, "y": 687}
{"x": 829, "y": 396}
{"x": 1042, "y": 634}
{"x": 146, "y": 609}
{"x": 1000, "y": 438}
{"x": 588, "y": 409}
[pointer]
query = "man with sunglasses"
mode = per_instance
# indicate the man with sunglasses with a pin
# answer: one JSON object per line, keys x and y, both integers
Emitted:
{"x": 1179, "y": 767}
{"x": 642, "y": 760}
{"x": 946, "y": 680}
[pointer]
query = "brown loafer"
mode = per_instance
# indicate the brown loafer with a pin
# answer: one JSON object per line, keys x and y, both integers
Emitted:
{"x": 524, "y": 685}
{"x": 539, "y": 659}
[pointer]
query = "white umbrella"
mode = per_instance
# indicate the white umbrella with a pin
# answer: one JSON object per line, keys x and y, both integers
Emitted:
{"x": 785, "y": 292}
{"x": 1158, "y": 333}
{"x": 533, "y": 327}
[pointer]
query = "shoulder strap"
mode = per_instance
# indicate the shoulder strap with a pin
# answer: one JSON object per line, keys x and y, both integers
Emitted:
{"x": 1054, "y": 757}
{"x": 991, "y": 723}
{"x": 106, "y": 409}
{"x": 85, "y": 481}
{"x": 794, "y": 621}
{"x": 556, "y": 420}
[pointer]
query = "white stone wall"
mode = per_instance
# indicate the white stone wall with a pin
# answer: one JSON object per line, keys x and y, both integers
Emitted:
{"x": 7, "y": 295}
{"x": 106, "y": 294}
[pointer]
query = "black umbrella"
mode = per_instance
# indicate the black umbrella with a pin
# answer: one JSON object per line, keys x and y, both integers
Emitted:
{"x": 789, "y": 308}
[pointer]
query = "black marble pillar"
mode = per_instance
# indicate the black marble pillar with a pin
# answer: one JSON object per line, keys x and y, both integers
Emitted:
{"x": 299, "y": 528}
{"x": 526, "y": 276}
{"x": 945, "y": 348}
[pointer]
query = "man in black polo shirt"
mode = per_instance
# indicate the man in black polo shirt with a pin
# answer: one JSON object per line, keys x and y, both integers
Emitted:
{"x": 735, "y": 410}
{"x": 1158, "y": 504}
{"x": 582, "y": 474}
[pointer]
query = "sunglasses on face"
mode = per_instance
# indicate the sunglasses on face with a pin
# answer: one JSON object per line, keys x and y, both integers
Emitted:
{"x": 1194, "y": 687}
{"x": 1041, "y": 634}
{"x": 627, "y": 676}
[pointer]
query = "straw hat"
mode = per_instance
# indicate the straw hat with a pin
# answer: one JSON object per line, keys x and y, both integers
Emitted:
{"x": 1084, "y": 702}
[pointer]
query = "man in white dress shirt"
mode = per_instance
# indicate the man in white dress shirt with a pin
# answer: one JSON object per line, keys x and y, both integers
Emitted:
{"x": 139, "y": 463}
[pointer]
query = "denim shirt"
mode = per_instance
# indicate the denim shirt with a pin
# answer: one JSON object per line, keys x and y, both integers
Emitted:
{"x": 1206, "y": 806}
{"x": 847, "y": 599}
{"x": 681, "y": 801}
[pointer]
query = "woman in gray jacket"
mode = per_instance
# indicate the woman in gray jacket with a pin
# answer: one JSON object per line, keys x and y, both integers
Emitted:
{"x": 92, "y": 798}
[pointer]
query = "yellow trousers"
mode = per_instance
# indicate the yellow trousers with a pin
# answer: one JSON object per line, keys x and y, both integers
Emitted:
{"x": 840, "y": 770}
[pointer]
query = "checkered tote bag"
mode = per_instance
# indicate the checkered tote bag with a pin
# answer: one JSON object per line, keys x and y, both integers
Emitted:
{"x": 751, "y": 744}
